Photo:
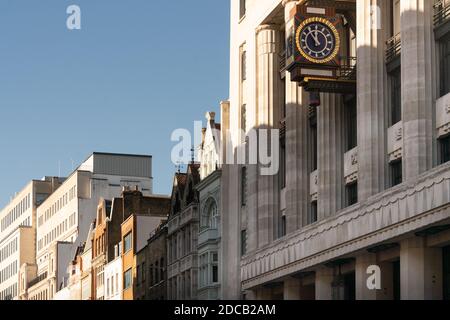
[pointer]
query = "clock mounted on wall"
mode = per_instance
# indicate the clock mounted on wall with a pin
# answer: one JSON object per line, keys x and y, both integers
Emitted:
{"x": 314, "y": 42}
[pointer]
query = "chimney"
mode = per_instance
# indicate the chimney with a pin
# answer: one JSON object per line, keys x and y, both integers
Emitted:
{"x": 210, "y": 116}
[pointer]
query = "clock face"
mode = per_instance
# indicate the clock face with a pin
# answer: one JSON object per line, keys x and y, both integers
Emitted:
{"x": 317, "y": 40}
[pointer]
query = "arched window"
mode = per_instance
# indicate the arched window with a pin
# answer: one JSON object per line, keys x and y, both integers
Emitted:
{"x": 210, "y": 215}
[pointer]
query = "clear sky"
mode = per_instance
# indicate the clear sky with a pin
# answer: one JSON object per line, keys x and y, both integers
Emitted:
{"x": 137, "y": 70}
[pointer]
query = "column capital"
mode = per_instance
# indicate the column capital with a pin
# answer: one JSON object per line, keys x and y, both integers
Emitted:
{"x": 267, "y": 27}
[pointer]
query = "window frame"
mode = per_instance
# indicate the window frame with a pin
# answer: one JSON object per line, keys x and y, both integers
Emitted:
{"x": 126, "y": 248}
{"x": 129, "y": 273}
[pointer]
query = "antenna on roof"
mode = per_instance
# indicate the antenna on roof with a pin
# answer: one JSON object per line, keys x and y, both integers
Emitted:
{"x": 178, "y": 167}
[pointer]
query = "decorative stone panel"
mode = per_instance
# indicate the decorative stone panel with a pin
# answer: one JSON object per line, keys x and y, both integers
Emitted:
{"x": 351, "y": 166}
{"x": 313, "y": 188}
{"x": 443, "y": 115}
{"x": 395, "y": 142}
{"x": 283, "y": 199}
{"x": 389, "y": 215}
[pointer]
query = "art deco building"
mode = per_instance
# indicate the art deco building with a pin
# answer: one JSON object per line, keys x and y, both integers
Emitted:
{"x": 359, "y": 91}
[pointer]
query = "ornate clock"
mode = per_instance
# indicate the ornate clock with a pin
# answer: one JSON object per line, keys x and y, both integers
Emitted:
{"x": 314, "y": 57}
{"x": 317, "y": 40}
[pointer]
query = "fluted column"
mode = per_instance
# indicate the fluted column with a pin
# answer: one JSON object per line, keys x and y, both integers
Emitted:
{"x": 418, "y": 85}
{"x": 330, "y": 134}
{"x": 292, "y": 289}
{"x": 420, "y": 270}
{"x": 230, "y": 218}
{"x": 297, "y": 171}
{"x": 268, "y": 106}
{"x": 363, "y": 261}
{"x": 324, "y": 280}
{"x": 371, "y": 98}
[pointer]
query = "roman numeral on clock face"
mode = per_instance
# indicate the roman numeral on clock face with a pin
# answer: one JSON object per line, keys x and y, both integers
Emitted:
{"x": 317, "y": 40}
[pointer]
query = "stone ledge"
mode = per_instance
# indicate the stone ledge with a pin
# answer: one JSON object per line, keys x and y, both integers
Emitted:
{"x": 405, "y": 208}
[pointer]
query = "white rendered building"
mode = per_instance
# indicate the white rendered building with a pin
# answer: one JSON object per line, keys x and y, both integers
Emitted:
{"x": 64, "y": 219}
{"x": 18, "y": 233}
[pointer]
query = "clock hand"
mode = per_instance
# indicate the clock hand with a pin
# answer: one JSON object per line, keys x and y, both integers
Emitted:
{"x": 316, "y": 38}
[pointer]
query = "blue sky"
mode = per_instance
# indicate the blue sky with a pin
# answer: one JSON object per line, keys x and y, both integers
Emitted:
{"x": 137, "y": 70}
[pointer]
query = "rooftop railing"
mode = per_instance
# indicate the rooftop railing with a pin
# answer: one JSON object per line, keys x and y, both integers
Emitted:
{"x": 393, "y": 47}
{"x": 38, "y": 279}
{"x": 441, "y": 12}
{"x": 347, "y": 69}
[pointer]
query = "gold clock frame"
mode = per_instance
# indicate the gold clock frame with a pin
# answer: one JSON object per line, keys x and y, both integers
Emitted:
{"x": 336, "y": 37}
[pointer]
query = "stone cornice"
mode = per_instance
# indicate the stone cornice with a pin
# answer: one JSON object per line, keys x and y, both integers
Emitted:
{"x": 405, "y": 208}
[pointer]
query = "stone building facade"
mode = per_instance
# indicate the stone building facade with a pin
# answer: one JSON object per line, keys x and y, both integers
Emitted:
{"x": 156, "y": 261}
{"x": 182, "y": 236}
{"x": 363, "y": 177}
{"x": 209, "y": 237}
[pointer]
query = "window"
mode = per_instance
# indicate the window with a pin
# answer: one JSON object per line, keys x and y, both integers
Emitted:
{"x": 127, "y": 279}
{"x": 243, "y": 186}
{"x": 395, "y": 18}
{"x": 209, "y": 269}
{"x": 445, "y": 66}
{"x": 282, "y": 228}
{"x": 282, "y": 163}
{"x": 211, "y": 218}
{"x": 396, "y": 96}
{"x": 351, "y": 194}
{"x": 138, "y": 275}
{"x": 243, "y": 65}
{"x": 396, "y": 173}
{"x": 444, "y": 144}
{"x": 313, "y": 213}
{"x": 215, "y": 268}
{"x": 188, "y": 241}
{"x": 352, "y": 125}
{"x": 244, "y": 119}
{"x": 313, "y": 138}
{"x": 157, "y": 272}
{"x": 143, "y": 272}
{"x": 242, "y": 8}
{"x": 112, "y": 285}
{"x": 127, "y": 243}
{"x": 152, "y": 282}
{"x": 163, "y": 269}
{"x": 243, "y": 242}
